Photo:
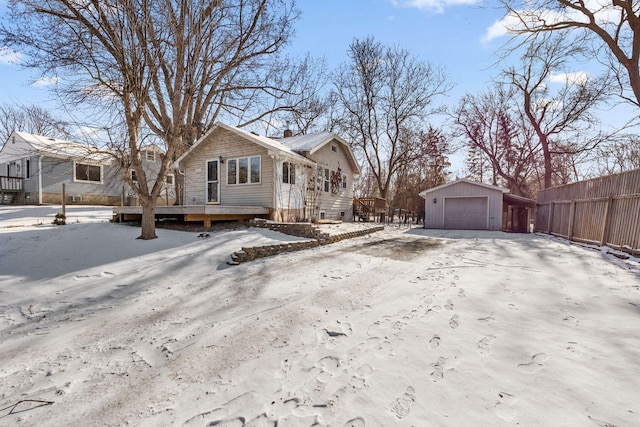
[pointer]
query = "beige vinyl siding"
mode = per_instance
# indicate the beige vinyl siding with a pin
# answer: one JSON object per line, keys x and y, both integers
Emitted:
{"x": 434, "y": 212}
{"x": 342, "y": 201}
{"x": 291, "y": 196}
{"x": 228, "y": 146}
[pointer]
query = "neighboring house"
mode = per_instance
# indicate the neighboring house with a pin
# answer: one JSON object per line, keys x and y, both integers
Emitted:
{"x": 469, "y": 205}
{"x": 307, "y": 177}
{"x": 39, "y": 166}
{"x": 151, "y": 158}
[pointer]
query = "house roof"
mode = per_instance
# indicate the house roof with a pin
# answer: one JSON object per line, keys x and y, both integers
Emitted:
{"x": 263, "y": 141}
{"x": 468, "y": 181}
{"x": 314, "y": 141}
{"x": 42, "y": 145}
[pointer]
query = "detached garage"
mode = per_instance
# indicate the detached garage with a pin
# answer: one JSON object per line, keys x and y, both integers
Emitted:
{"x": 469, "y": 205}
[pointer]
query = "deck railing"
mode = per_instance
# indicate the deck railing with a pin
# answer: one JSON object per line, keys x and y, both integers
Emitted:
{"x": 10, "y": 184}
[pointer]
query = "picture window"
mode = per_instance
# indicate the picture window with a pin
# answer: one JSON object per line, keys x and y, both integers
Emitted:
{"x": 243, "y": 170}
{"x": 88, "y": 173}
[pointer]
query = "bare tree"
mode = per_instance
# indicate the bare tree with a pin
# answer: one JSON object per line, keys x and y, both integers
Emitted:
{"x": 619, "y": 155}
{"x": 498, "y": 134}
{"x": 30, "y": 119}
{"x": 425, "y": 171}
{"x": 611, "y": 30}
{"x": 384, "y": 93}
{"x": 174, "y": 67}
{"x": 562, "y": 119}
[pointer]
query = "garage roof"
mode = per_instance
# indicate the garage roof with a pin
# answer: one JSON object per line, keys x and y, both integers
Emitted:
{"x": 468, "y": 181}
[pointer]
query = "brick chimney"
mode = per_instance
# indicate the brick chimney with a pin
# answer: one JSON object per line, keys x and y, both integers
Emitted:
{"x": 288, "y": 133}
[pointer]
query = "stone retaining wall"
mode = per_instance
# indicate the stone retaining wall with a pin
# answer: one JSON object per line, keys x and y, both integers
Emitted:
{"x": 293, "y": 229}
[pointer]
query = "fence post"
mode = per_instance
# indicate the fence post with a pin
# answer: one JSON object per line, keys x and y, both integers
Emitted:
{"x": 550, "y": 221}
{"x": 572, "y": 215}
{"x": 607, "y": 219}
{"x": 64, "y": 196}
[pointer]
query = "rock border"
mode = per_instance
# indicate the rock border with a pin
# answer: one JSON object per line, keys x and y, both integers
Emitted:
{"x": 293, "y": 229}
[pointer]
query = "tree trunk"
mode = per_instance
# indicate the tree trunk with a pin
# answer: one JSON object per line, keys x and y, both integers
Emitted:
{"x": 148, "y": 225}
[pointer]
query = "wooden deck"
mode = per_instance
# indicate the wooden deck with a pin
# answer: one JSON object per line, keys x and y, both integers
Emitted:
{"x": 205, "y": 214}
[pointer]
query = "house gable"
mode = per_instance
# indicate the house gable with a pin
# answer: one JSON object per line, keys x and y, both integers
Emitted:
{"x": 309, "y": 145}
{"x": 223, "y": 145}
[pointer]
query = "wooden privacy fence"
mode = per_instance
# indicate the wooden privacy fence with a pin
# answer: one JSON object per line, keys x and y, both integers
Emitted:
{"x": 603, "y": 211}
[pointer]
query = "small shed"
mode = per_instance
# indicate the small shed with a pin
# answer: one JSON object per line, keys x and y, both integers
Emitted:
{"x": 468, "y": 205}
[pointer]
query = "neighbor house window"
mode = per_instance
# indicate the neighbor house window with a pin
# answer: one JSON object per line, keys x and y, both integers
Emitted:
{"x": 288, "y": 173}
{"x": 244, "y": 170}
{"x": 334, "y": 148}
{"x": 169, "y": 180}
{"x": 344, "y": 181}
{"x": 326, "y": 180}
{"x": 319, "y": 178}
{"x": 27, "y": 169}
{"x": 86, "y": 172}
{"x": 134, "y": 178}
{"x": 151, "y": 156}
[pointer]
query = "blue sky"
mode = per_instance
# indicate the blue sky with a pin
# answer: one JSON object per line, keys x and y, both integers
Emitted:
{"x": 449, "y": 33}
{"x": 450, "y": 36}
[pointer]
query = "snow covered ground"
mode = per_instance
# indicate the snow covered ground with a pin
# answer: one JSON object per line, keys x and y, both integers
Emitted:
{"x": 401, "y": 327}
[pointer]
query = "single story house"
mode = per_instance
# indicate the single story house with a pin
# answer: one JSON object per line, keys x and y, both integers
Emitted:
{"x": 34, "y": 167}
{"x": 468, "y": 205}
{"x": 306, "y": 177}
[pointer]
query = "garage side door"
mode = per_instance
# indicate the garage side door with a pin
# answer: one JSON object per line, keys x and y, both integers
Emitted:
{"x": 466, "y": 213}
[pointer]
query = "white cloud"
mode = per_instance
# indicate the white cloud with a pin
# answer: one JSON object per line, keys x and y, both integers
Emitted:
{"x": 9, "y": 56}
{"x": 579, "y": 78}
{"x": 437, "y": 6}
{"x": 497, "y": 29}
{"x": 46, "y": 81}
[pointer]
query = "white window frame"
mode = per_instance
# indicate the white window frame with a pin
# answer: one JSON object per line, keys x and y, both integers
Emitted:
{"x": 326, "y": 181}
{"x": 344, "y": 181}
{"x": 132, "y": 175}
{"x": 322, "y": 215}
{"x": 76, "y": 179}
{"x": 150, "y": 156}
{"x": 208, "y": 181}
{"x": 249, "y": 170}
{"x": 166, "y": 181}
{"x": 288, "y": 173}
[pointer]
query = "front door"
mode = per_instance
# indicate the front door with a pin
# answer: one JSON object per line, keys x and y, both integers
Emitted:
{"x": 213, "y": 181}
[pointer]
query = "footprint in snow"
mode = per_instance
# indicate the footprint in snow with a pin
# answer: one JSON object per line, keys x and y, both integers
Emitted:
{"x": 356, "y": 422}
{"x": 338, "y": 329}
{"x": 570, "y": 319}
{"x": 434, "y": 341}
{"x": 484, "y": 345}
{"x": 535, "y": 365}
{"x": 438, "y": 369}
{"x": 486, "y": 320}
{"x": 454, "y": 322}
{"x": 504, "y": 407}
{"x": 461, "y": 293}
{"x": 401, "y": 407}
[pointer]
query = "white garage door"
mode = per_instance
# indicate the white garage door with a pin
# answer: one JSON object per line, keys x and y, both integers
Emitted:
{"x": 466, "y": 213}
